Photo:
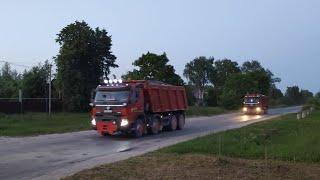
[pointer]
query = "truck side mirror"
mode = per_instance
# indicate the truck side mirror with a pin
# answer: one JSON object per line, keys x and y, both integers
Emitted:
{"x": 91, "y": 104}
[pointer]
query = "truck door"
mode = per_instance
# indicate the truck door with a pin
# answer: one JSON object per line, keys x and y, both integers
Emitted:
{"x": 137, "y": 100}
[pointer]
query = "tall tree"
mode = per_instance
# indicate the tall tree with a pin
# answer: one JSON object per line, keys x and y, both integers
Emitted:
{"x": 235, "y": 88}
{"x": 198, "y": 72}
{"x": 251, "y": 66}
{"x": 223, "y": 69}
{"x": 35, "y": 81}
{"x": 9, "y": 82}
{"x": 293, "y": 95}
{"x": 151, "y": 66}
{"x": 306, "y": 95}
{"x": 264, "y": 77}
{"x": 84, "y": 58}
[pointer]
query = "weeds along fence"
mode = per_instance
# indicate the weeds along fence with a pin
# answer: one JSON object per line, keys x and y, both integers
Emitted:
{"x": 14, "y": 106}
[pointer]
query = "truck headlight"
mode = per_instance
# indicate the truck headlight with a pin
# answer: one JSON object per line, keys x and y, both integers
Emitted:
{"x": 124, "y": 122}
{"x": 93, "y": 122}
{"x": 245, "y": 109}
{"x": 258, "y": 109}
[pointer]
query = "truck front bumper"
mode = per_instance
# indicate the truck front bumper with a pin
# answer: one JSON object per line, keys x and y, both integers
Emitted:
{"x": 108, "y": 127}
{"x": 253, "y": 110}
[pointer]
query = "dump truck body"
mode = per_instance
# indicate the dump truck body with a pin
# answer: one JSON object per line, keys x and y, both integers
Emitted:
{"x": 255, "y": 104}
{"x": 138, "y": 107}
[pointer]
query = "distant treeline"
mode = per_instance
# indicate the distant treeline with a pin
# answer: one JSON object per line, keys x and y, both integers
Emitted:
{"x": 85, "y": 59}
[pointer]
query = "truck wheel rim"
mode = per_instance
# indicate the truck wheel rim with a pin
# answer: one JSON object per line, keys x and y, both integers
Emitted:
{"x": 155, "y": 127}
{"x": 174, "y": 123}
{"x": 139, "y": 130}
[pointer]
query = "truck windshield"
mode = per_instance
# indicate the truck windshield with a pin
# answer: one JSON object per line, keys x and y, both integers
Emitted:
{"x": 111, "y": 97}
{"x": 249, "y": 100}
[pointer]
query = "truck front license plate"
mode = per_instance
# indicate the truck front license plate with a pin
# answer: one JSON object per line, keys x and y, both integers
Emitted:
{"x": 107, "y": 111}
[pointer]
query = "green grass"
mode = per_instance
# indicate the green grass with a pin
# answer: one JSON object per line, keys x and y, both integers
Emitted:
{"x": 283, "y": 138}
{"x": 204, "y": 111}
{"x": 40, "y": 123}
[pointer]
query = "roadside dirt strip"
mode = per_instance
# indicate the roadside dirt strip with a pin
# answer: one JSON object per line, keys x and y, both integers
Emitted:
{"x": 59, "y": 155}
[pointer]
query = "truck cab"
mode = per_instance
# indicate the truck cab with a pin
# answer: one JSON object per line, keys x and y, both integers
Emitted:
{"x": 255, "y": 104}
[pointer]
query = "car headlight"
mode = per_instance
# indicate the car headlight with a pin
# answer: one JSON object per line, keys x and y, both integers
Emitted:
{"x": 93, "y": 122}
{"x": 124, "y": 122}
{"x": 258, "y": 109}
{"x": 245, "y": 109}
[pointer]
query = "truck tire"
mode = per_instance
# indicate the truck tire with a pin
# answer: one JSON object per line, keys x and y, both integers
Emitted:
{"x": 181, "y": 121}
{"x": 173, "y": 124}
{"x": 138, "y": 128}
{"x": 154, "y": 125}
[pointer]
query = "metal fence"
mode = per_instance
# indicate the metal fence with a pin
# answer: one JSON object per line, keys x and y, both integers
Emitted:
{"x": 13, "y": 105}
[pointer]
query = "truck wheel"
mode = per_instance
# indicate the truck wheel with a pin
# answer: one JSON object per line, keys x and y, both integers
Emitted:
{"x": 154, "y": 125}
{"x": 173, "y": 123}
{"x": 138, "y": 128}
{"x": 181, "y": 121}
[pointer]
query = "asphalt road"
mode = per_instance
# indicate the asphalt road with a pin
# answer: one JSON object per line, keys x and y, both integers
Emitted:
{"x": 58, "y": 155}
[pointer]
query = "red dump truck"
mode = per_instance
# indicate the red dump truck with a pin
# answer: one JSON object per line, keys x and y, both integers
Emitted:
{"x": 255, "y": 104}
{"x": 137, "y": 107}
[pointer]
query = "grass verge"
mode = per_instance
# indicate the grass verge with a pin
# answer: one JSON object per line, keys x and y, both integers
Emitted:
{"x": 40, "y": 123}
{"x": 204, "y": 111}
{"x": 283, "y": 138}
{"x": 282, "y": 148}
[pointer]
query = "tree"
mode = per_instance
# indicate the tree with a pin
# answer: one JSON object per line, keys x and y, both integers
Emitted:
{"x": 264, "y": 77}
{"x": 198, "y": 72}
{"x": 276, "y": 93}
{"x": 223, "y": 69}
{"x": 293, "y": 95}
{"x": 35, "y": 81}
{"x": 189, "y": 92}
{"x": 9, "y": 82}
{"x": 235, "y": 88}
{"x": 210, "y": 96}
{"x": 84, "y": 58}
{"x": 151, "y": 66}
{"x": 306, "y": 95}
{"x": 251, "y": 66}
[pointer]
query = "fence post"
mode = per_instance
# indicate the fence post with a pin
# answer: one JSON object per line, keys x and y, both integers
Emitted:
{"x": 20, "y": 100}
{"x": 298, "y": 115}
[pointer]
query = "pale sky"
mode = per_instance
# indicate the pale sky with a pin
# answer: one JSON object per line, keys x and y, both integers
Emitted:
{"x": 283, "y": 35}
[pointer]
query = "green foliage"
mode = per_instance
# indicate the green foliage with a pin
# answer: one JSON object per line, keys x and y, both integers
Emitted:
{"x": 211, "y": 96}
{"x": 252, "y": 79}
{"x": 9, "y": 82}
{"x": 283, "y": 138}
{"x": 275, "y": 93}
{"x": 35, "y": 81}
{"x": 189, "y": 92}
{"x": 198, "y": 72}
{"x": 222, "y": 70}
{"x": 154, "y": 67}
{"x": 251, "y": 66}
{"x": 264, "y": 77}
{"x": 236, "y": 86}
{"x": 84, "y": 58}
{"x": 293, "y": 96}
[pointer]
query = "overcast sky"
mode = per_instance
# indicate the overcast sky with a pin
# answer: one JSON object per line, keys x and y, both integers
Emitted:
{"x": 283, "y": 35}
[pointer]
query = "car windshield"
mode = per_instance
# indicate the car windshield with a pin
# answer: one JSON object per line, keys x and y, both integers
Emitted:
{"x": 111, "y": 97}
{"x": 251, "y": 100}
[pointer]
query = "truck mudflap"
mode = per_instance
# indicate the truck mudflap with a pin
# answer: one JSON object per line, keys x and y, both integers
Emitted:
{"x": 106, "y": 127}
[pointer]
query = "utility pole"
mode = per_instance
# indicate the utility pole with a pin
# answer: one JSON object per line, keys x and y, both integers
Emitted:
{"x": 50, "y": 66}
